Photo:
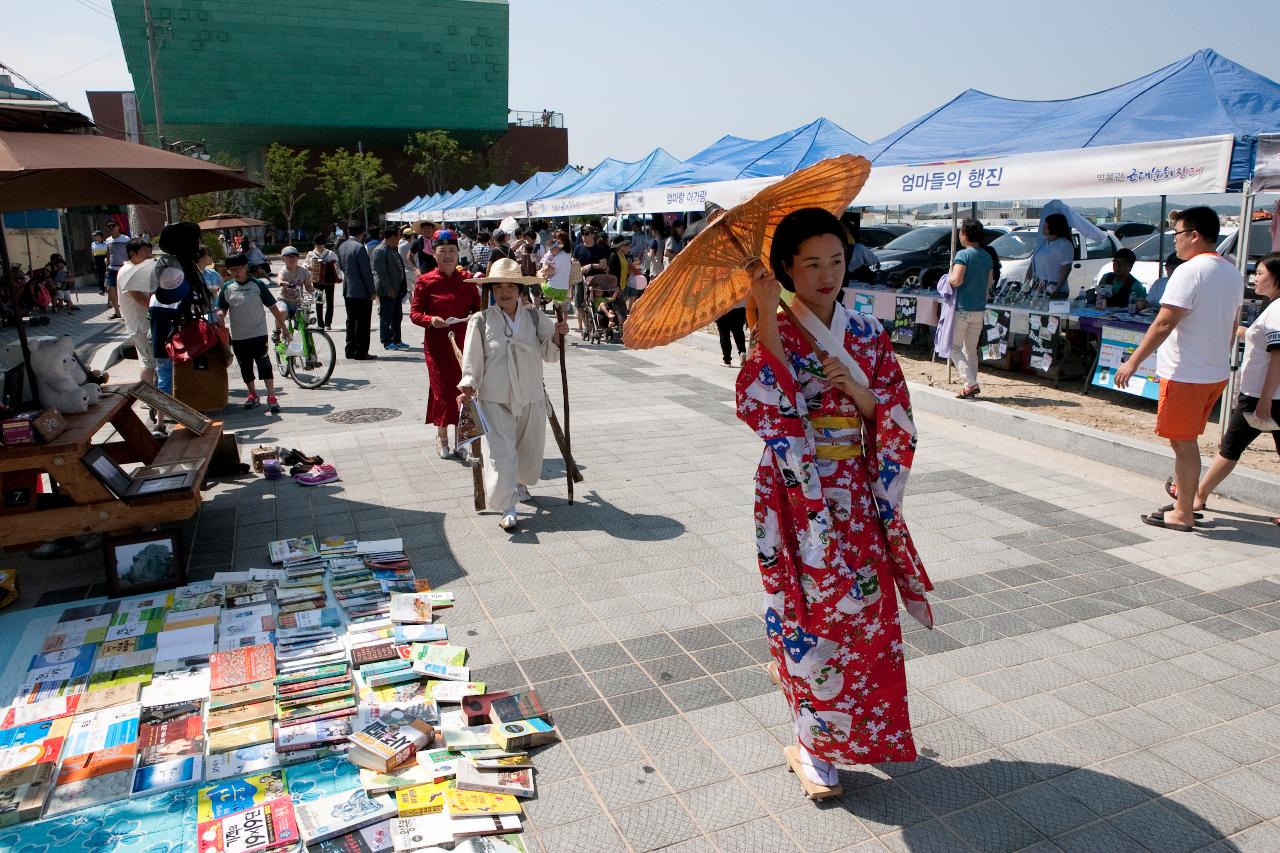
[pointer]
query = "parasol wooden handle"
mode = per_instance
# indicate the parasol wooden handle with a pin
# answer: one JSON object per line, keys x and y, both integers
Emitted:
{"x": 453, "y": 342}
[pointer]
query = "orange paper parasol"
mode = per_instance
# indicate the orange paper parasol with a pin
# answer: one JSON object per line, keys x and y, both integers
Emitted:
{"x": 710, "y": 276}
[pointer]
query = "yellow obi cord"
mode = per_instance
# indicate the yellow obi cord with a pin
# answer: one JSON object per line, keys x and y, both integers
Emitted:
{"x": 837, "y": 437}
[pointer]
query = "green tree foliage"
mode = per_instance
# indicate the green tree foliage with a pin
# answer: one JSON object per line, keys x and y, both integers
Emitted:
{"x": 286, "y": 171}
{"x": 438, "y": 158}
{"x": 195, "y": 208}
{"x": 352, "y": 182}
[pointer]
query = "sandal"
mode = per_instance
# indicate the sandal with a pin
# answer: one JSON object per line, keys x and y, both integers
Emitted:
{"x": 968, "y": 392}
{"x": 1170, "y": 507}
{"x": 1156, "y": 519}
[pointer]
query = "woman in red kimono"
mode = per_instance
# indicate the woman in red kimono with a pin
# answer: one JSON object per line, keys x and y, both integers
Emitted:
{"x": 445, "y": 294}
{"x": 832, "y": 544}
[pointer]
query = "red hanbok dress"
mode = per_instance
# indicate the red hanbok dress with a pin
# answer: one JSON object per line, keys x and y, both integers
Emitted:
{"x": 446, "y": 296}
{"x": 830, "y": 537}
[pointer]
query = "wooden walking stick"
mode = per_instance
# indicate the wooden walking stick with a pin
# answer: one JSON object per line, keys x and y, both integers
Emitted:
{"x": 570, "y": 469}
{"x": 476, "y": 451}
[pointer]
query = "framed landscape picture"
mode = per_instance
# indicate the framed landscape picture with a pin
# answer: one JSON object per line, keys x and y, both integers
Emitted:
{"x": 170, "y": 407}
{"x": 144, "y": 562}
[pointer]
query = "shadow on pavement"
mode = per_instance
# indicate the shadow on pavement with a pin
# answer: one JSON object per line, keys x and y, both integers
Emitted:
{"x": 1079, "y": 809}
{"x": 591, "y": 513}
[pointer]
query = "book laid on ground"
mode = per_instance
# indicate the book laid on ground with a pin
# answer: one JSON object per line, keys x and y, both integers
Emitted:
{"x": 240, "y": 694}
{"x": 411, "y": 607}
{"x": 224, "y": 798}
{"x": 441, "y": 652}
{"x": 496, "y": 759}
{"x": 312, "y": 735}
{"x": 415, "y": 833}
{"x": 472, "y": 827}
{"x": 460, "y": 803}
{"x": 238, "y": 737}
{"x": 406, "y": 775}
{"x": 523, "y": 734}
{"x": 517, "y": 783}
{"x": 443, "y": 672}
{"x": 94, "y": 791}
{"x": 453, "y": 692}
{"x": 154, "y": 778}
{"x": 375, "y": 838}
{"x": 296, "y": 550}
{"x": 242, "y": 666}
{"x": 239, "y": 762}
{"x": 240, "y": 715}
{"x": 322, "y": 819}
{"x": 423, "y": 799}
{"x": 405, "y": 633}
{"x": 23, "y": 793}
{"x": 508, "y": 842}
{"x": 267, "y": 826}
{"x": 380, "y": 746}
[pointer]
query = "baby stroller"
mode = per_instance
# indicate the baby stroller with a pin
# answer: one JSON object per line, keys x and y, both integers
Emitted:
{"x": 608, "y": 310}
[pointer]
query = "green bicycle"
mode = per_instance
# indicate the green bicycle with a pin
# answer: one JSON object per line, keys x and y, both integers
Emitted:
{"x": 308, "y": 357}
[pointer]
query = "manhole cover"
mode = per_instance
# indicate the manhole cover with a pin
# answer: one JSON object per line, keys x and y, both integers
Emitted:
{"x": 362, "y": 416}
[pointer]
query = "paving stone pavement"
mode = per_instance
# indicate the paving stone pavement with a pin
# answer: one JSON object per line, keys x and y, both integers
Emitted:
{"x": 1092, "y": 685}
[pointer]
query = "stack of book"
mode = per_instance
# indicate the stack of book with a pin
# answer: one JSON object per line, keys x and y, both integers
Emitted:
{"x": 248, "y": 815}
{"x": 251, "y": 669}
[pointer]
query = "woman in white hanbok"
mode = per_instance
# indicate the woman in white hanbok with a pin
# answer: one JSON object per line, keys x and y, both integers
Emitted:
{"x": 506, "y": 345}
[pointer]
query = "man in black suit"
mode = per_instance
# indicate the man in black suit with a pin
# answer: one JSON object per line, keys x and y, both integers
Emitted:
{"x": 389, "y": 282}
{"x": 357, "y": 291}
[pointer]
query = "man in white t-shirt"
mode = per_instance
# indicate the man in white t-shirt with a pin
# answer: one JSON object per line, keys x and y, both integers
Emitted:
{"x": 1191, "y": 337}
{"x": 135, "y": 282}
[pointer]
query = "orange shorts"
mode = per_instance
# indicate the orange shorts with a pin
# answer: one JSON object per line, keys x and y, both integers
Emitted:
{"x": 1184, "y": 408}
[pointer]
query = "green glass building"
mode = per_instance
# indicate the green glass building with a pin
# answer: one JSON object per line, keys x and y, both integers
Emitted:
{"x": 241, "y": 74}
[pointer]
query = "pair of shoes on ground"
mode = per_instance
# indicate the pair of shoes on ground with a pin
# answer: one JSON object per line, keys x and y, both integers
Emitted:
{"x": 396, "y": 347}
{"x": 316, "y": 475}
{"x": 366, "y": 357}
{"x": 968, "y": 392}
{"x": 443, "y": 450}
{"x": 273, "y": 404}
{"x": 508, "y": 521}
{"x": 295, "y": 457}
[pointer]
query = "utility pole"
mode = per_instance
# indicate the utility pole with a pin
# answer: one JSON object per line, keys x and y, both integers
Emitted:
{"x": 364, "y": 201}
{"x": 170, "y": 205}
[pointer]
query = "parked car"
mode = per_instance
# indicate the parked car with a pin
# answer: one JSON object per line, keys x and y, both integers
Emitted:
{"x": 1016, "y": 248}
{"x": 876, "y": 236}
{"x": 1148, "y": 267}
{"x": 920, "y": 257}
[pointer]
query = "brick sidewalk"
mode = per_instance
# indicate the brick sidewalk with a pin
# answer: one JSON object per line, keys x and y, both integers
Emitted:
{"x": 1093, "y": 684}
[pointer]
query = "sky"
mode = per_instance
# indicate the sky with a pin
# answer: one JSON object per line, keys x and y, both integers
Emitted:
{"x": 632, "y": 76}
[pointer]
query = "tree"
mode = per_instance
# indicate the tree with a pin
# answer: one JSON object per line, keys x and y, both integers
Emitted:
{"x": 438, "y": 158}
{"x": 353, "y": 182}
{"x": 286, "y": 170}
{"x": 195, "y": 208}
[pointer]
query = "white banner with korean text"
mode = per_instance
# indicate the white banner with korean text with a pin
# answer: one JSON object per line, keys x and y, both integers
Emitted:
{"x": 1143, "y": 169}
{"x": 577, "y": 205}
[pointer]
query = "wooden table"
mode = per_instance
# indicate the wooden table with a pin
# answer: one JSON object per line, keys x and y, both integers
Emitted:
{"x": 89, "y": 506}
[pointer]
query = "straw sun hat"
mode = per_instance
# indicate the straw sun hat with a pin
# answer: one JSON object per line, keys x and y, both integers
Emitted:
{"x": 506, "y": 271}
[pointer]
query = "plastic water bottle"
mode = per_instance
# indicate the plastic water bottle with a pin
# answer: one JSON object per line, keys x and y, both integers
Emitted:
{"x": 1133, "y": 302}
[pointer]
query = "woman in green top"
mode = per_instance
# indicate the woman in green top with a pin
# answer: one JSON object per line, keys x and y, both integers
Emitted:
{"x": 970, "y": 278}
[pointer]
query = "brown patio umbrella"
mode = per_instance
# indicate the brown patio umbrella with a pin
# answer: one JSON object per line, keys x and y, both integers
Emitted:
{"x": 229, "y": 220}
{"x": 711, "y": 275}
{"x": 44, "y": 170}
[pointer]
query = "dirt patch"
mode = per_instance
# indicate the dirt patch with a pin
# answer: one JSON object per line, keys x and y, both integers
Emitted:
{"x": 1109, "y": 411}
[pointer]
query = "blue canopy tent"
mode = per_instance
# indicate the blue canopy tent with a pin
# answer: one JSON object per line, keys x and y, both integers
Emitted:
{"x": 457, "y": 210}
{"x": 400, "y": 213}
{"x": 515, "y": 203}
{"x": 436, "y": 211}
{"x": 1190, "y": 127}
{"x": 734, "y": 169}
{"x": 466, "y": 210}
{"x": 596, "y": 191}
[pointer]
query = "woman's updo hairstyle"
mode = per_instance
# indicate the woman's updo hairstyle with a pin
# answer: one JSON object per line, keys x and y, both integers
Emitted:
{"x": 796, "y": 227}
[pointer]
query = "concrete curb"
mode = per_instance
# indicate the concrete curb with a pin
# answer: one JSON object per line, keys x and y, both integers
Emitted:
{"x": 1255, "y": 488}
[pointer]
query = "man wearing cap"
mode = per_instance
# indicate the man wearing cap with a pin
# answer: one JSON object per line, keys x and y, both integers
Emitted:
{"x": 388, "y": 282}
{"x": 98, "y": 251}
{"x": 502, "y": 359}
{"x": 117, "y": 257}
{"x": 422, "y": 249}
{"x": 405, "y": 248}
{"x": 357, "y": 292}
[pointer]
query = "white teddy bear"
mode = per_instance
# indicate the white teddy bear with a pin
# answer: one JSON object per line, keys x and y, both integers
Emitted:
{"x": 62, "y": 383}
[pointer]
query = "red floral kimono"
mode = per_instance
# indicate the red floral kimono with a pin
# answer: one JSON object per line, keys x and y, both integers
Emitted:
{"x": 446, "y": 296}
{"x": 831, "y": 540}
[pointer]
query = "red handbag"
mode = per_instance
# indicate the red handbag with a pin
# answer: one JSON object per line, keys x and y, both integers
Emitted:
{"x": 196, "y": 337}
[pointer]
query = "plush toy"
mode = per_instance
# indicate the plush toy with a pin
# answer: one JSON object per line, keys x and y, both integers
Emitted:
{"x": 61, "y": 381}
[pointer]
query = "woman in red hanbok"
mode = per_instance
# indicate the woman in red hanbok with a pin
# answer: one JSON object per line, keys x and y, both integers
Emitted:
{"x": 443, "y": 295}
{"x": 833, "y": 547}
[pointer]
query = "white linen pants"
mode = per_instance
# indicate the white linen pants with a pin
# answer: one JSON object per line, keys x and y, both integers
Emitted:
{"x": 513, "y": 450}
{"x": 965, "y": 335}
